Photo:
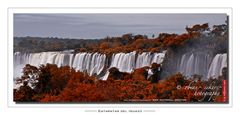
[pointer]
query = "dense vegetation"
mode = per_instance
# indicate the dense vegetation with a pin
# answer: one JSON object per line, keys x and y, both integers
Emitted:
{"x": 52, "y": 84}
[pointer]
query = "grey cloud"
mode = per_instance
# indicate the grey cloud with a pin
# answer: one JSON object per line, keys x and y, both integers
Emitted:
{"x": 102, "y": 25}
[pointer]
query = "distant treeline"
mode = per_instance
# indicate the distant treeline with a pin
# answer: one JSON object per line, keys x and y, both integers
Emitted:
{"x": 196, "y": 35}
{"x": 38, "y": 44}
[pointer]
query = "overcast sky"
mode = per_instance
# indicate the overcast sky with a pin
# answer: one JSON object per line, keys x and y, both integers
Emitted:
{"x": 89, "y": 26}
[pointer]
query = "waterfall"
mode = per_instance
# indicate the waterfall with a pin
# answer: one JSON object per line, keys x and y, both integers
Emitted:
{"x": 143, "y": 59}
{"x": 19, "y": 61}
{"x": 58, "y": 58}
{"x": 219, "y": 61}
{"x": 127, "y": 62}
{"x": 92, "y": 63}
{"x": 37, "y": 59}
{"x": 202, "y": 63}
{"x": 194, "y": 63}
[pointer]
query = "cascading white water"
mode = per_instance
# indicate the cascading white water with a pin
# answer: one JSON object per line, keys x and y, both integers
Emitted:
{"x": 127, "y": 62}
{"x": 19, "y": 62}
{"x": 143, "y": 59}
{"x": 194, "y": 63}
{"x": 146, "y": 59}
{"x": 37, "y": 59}
{"x": 218, "y": 63}
{"x": 92, "y": 63}
{"x": 201, "y": 63}
{"x": 95, "y": 63}
{"x": 58, "y": 58}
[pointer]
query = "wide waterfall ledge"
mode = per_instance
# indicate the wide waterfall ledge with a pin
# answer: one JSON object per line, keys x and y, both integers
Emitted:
{"x": 97, "y": 64}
